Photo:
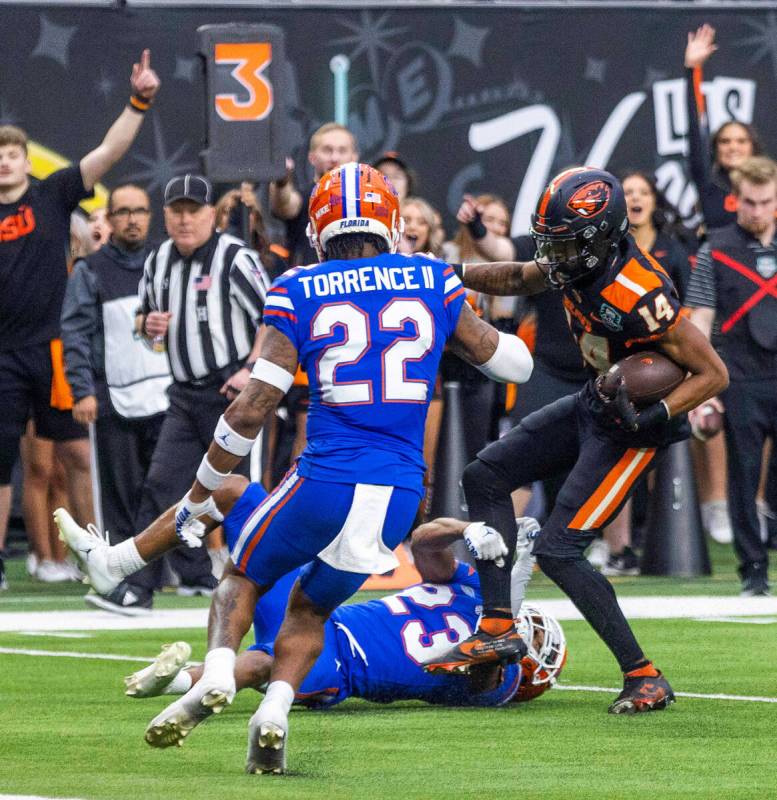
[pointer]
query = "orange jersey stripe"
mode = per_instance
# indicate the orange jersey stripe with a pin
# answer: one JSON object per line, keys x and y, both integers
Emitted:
{"x": 636, "y": 273}
{"x": 600, "y": 506}
{"x": 257, "y": 537}
{"x": 620, "y": 297}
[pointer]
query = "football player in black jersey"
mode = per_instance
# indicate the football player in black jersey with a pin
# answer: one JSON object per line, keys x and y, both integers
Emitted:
{"x": 618, "y": 301}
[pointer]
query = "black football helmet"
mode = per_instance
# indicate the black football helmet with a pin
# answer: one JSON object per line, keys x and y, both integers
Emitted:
{"x": 579, "y": 221}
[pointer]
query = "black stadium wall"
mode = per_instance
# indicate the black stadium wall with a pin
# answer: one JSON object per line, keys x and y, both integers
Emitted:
{"x": 476, "y": 99}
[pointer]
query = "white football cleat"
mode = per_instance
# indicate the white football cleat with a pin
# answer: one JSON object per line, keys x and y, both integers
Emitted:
{"x": 266, "y": 748}
{"x": 176, "y": 722}
{"x": 152, "y": 680}
{"x": 90, "y": 550}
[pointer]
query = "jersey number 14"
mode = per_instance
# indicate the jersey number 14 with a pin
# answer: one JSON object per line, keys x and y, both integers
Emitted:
{"x": 396, "y": 386}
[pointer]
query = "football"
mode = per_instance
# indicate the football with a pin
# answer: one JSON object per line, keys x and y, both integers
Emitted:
{"x": 649, "y": 377}
{"x": 707, "y": 422}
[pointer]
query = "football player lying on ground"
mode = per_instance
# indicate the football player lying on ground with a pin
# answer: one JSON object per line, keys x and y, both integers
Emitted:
{"x": 380, "y": 644}
{"x": 374, "y": 650}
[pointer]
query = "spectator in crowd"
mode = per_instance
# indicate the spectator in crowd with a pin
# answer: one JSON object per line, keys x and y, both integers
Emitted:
{"x": 99, "y": 227}
{"x": 483, "y": 229}
{"x": 229, "y": 218}
{"x": 330, "y": 146}
{"x": 35, "y": 220}
{"x": 118, "y": 382}
{"x": 480, "y": 217}
{"x": 43, "y": 490}
{"x": 731, "y": 144}
{"x": 725, "y": 292}
{"x": 395, "y": 168}
{"x": 44, "y": 485}
{"x": 418, "y": 216}
{"x": 652, "y": 224}
{"x": 201, "y": 297}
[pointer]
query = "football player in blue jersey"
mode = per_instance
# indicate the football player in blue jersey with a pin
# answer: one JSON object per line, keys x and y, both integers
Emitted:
{"x": 368, "y": 326}
{"x": 373, "y": 650}
{"x": 618, "y": 301}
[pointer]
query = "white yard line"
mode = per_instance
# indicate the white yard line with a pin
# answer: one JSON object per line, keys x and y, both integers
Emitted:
{"x": 563, "y": 687}
{"x": 702, "y": 607}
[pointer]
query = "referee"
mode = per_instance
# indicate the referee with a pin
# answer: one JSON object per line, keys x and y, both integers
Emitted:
{"x": 201, "y": 297}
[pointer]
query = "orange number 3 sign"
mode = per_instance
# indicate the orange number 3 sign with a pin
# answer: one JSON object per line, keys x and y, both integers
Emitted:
{"x": 251, "y": 59}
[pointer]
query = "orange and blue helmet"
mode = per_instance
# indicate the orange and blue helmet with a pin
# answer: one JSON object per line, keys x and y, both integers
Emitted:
{"x": 353, "y": 198}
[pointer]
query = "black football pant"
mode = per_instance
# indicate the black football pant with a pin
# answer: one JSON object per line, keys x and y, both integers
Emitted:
{"x": 186, "y": 434}
{"x": 750, "y": 418}
{"x": 124, "y": 451}
{"x": 562, "y": 437}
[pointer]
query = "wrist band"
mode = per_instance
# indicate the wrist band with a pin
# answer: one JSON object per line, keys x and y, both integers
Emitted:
{"x": 138, "y": 103}
{"x": 459, "y": 270}
{"x": 230, "y": 440}
{"x": 477, "y": 229}
{"x": 268, "y": 372}
{"x": 209, "y": 477}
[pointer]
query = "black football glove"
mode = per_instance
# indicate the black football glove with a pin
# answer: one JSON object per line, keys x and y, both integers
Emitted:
{"x": 625, "y": 415}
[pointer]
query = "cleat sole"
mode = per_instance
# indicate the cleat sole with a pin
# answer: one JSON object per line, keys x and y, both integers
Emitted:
{"x": 268, "y": 755}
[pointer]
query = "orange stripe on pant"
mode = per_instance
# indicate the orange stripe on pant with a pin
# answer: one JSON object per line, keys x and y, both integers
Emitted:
{"x": 609, "y": 495}
{"x": 257, "y": 537}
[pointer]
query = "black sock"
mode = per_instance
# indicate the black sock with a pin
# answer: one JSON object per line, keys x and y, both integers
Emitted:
{"x": 489, "y": 501}
{"x": 595, "y": 598}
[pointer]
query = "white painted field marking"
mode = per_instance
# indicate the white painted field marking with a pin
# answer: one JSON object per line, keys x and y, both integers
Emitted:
{"x": 58, "y": 634}
{"x": 565, "y": 687}
{"x": 19, "y": 651}
{"x": 31, "y": 797}
{"x": 676, "y": 607}
{"x": 742, "y": 620}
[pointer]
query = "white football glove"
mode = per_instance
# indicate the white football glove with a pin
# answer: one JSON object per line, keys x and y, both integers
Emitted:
{"x": 188, "y": 527}
{"x": 485, "y": 543}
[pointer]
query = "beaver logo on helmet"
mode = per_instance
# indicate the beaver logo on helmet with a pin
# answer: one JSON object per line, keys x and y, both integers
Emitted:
{"x": 590, "y": 200}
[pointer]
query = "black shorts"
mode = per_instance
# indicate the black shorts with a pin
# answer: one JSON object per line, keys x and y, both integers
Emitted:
{"x": 25, "y": 388}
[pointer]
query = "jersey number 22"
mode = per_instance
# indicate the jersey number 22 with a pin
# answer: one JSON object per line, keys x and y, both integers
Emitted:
{"x": 396, "y": 386}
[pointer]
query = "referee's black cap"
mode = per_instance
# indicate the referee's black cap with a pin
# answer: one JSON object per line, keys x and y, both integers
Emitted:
{"x": 189, "y": 187}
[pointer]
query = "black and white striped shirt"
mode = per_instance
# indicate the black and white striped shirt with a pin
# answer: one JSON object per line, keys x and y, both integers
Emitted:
{"x": 216, "y": 298}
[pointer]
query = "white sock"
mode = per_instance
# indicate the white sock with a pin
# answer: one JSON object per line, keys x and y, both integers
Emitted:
{"x": 180, "y": 684}
{"x": 124, "y": 559}
{"x": 276, "y": 704}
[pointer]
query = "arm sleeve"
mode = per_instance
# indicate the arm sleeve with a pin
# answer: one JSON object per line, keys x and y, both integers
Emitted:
{"x": 249, "y": 283}
{"x": 702, "y": 292}
{"x": 698, "y": 135}
{"x": 280, "y": 313}
{"x": 68, "y": 185}
{"x": 146, "y": 300}
{"x": 80, "y": 321}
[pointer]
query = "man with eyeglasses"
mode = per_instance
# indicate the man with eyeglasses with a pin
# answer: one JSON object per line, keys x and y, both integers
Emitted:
{"x": 201, "y": 300}
{"x": 118, "y": 381}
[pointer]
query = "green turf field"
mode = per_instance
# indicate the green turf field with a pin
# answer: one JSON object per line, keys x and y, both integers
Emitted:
{"x": 67, "y": 730}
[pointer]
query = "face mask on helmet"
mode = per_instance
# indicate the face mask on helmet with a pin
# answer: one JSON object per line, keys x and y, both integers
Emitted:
{"x": 568, "y": 259}
{"x": 547, "y": 652}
